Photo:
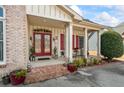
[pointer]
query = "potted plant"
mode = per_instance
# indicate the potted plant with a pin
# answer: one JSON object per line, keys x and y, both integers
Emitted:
{"x": 6, "y": 79}
{"x": 55, "y": 52}
{"x": 72, "y": 67}
{"x": 32, "y": 51}
{"x": 18, "y": 76}
{"x": 62, "y": 53}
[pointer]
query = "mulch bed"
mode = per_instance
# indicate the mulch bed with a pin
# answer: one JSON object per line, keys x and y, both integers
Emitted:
{"x": 104, "y": 62}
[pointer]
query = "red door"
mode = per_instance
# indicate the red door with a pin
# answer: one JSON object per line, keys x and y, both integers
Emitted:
{"x": 42, "y": 44}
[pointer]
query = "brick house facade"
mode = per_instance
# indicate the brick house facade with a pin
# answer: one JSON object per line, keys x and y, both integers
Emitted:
{"x": 16, "y": 39}
{"x": 21, "y": 21}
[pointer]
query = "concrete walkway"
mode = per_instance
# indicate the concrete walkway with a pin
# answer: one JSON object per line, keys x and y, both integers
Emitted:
{"x": 47, "y": 62}
{"x": 108, "y": 75}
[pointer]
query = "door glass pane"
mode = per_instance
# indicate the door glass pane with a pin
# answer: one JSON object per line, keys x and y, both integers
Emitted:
{"x": 47, "y": 43}
{"x": 37, "y": 43}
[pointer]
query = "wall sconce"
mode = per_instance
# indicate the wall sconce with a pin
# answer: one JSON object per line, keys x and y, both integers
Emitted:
{"x": 31, "y": 38}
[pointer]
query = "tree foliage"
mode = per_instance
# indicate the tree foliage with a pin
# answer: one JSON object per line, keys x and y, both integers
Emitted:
{"x": 111, "y": 44}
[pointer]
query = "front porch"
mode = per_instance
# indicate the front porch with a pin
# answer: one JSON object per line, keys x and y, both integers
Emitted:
{"x": 69, "y": 39}
{"x": 54, "y": 32}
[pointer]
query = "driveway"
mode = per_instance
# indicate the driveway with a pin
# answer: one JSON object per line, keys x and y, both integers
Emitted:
{"x": 109, "y": 75}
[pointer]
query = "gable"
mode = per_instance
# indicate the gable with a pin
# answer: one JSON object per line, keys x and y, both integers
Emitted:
{"x": 75, "y": 14}
{"x": 49, "y": 11}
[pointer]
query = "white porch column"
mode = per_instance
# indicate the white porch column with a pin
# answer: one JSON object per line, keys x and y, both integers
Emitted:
{"x": 59, "y": 51}
{"x": 98, "y": 44}
{"x": 68, "y": 44}
{"x": 85, "y": 42}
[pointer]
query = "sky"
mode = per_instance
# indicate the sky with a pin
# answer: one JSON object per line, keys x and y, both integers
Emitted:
{"x": 109, "y": 15}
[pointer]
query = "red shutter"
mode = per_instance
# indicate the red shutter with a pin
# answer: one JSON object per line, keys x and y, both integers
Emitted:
{"x": 62, "y": 41}
{"x": 73, "y": 42}
{"x": 77, "y": 41}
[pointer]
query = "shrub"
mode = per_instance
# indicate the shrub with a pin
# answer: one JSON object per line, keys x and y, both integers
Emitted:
{"x": 20, "y": 73}
{"x": 32, "y": 50}
{"x": 94, "y": 61}
{"x": 84, "y": 61}
{"x": 111, "y": 45}
{"x": 80, "y": 62}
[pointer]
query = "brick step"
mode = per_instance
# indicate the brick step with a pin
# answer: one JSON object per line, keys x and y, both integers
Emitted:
{"x": 44, "y": 73}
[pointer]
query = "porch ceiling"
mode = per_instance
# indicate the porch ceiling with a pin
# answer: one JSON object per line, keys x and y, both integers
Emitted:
{"x": 40, "y": 21}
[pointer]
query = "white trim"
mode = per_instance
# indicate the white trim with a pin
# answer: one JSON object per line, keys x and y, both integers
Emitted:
{"x": 85, "y": 42}
{"x": 98, "y": 43}
{"x": 4, "y": 37}
{"x": 49, "y": 17}
{"x": 85, "y": 26}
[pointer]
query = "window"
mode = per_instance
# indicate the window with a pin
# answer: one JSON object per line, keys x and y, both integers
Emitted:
{"x": 1, "y": 41}
{"x": 1, "y": 12}
{"x": 81, "y": 41}
{"x": 2, "y": 36}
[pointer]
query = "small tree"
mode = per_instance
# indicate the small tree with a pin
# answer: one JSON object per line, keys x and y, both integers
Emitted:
{"x": 111, "y": 45}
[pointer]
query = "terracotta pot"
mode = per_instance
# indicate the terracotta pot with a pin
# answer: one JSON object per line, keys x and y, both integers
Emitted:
{"x": 16, "y": 80}
{"x": 72, "y": 68}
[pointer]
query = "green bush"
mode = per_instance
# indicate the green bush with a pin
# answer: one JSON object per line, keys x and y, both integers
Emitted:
{"x": 80, "y": 62}
{"x": 20, "y": 73}
{"x": 94, "y": 61}
{"x": 111, "y": 45}
{"x": 32, "y": 50}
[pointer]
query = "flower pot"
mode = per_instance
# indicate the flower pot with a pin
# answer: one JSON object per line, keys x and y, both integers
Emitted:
{"x": 17, "y": 77}
{"x": 72, "y": 68}
{"x": 6, "y": 80}
{"x": 16, "y": 80}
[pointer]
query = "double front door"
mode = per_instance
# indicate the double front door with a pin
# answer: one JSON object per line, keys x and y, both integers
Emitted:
{"x": 42, "y": 44}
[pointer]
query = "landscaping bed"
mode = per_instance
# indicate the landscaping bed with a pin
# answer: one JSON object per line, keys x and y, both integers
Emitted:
{"x": 79, "y": 63}
{"x": 43, "y": 73}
